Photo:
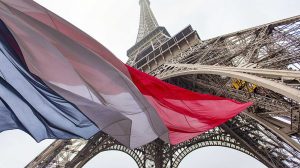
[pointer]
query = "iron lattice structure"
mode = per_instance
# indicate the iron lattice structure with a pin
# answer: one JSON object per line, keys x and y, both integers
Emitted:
{"x": 147, "y": 20}
{"x": 260, "y": 64}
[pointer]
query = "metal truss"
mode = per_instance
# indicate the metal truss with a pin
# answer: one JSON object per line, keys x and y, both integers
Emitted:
{"x": 265, "y": 62}
{"x": 76, "y": 153}
{"x": 147, "y": 20}
{"x": 274, "y": 143}
{"x": 265, "y": 57}
{"x": 150, "y": 35}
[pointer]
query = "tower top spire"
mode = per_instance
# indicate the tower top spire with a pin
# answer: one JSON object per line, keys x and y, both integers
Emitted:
{"x": 147, "y": 20}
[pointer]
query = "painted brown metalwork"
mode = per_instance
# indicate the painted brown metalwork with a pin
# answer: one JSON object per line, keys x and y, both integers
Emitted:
{"x": 266, "y": 56}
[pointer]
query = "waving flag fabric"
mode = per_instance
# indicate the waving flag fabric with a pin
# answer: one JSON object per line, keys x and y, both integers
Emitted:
{"x": 57, "y": 82}
{"x": 186, "y": 114}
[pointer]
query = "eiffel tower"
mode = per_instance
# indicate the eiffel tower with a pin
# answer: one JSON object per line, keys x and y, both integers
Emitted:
{"x": 259, "y": 64}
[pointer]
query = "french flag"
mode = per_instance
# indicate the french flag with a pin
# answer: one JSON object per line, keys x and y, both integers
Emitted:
{"x": 57, "y": 82}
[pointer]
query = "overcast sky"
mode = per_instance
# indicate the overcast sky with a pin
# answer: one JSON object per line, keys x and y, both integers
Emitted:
{"x": 114, "y": 23}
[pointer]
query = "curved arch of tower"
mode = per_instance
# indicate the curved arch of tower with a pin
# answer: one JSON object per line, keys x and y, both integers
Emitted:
{"x": 260, "y": 64}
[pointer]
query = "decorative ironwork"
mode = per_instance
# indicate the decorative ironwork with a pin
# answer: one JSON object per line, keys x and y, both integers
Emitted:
{"x": 266, "y": 56}
{"x": 150, "y": 34}
{"x": 147, "y": 20}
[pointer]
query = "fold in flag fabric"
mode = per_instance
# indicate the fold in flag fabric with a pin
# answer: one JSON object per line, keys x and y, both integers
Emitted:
{"x": 185, "y": 113}
{"x": 57, "y": 82}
